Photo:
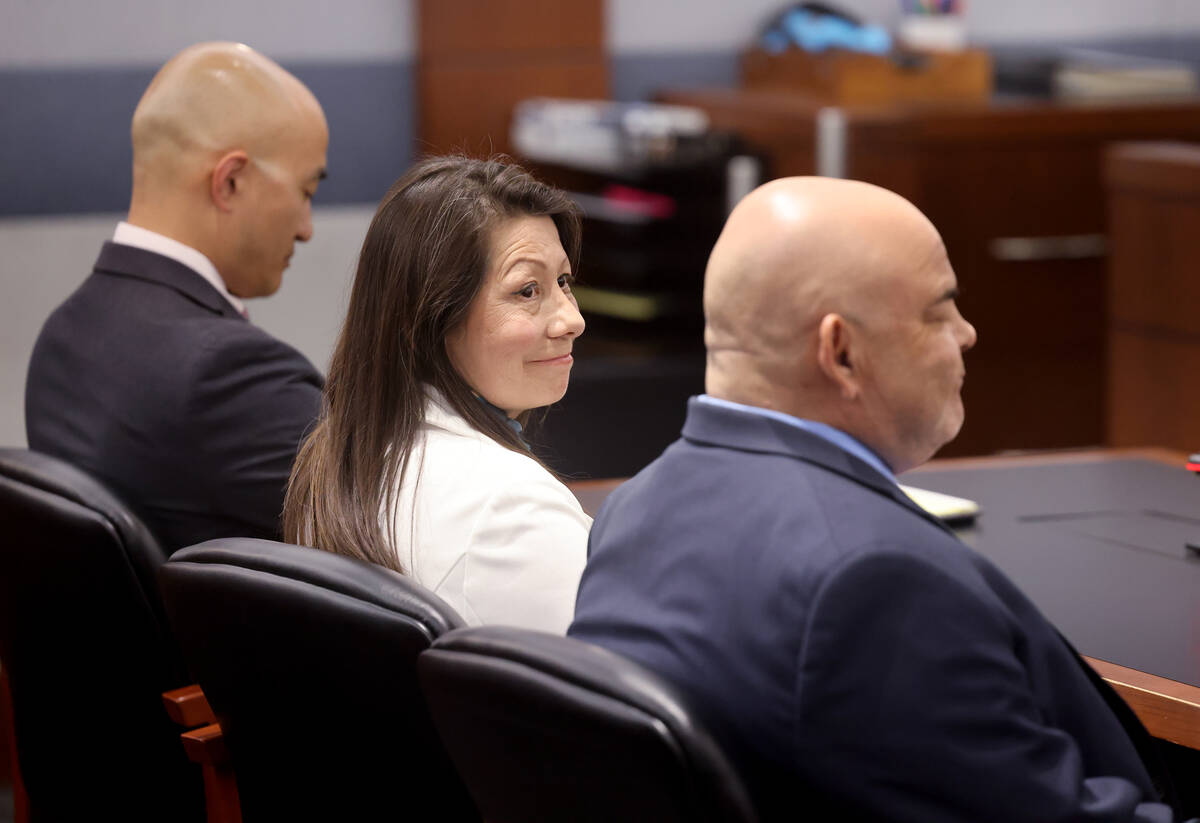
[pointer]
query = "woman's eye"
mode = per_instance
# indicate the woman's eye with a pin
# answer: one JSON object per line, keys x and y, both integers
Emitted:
{"x": 529, "y": 290}
{"x": 565, "y": 281}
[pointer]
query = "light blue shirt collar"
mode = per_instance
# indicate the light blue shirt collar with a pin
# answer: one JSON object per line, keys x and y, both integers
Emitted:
{"x": 823, "y": 430}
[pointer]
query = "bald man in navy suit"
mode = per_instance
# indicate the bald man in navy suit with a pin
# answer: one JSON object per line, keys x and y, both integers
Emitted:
{"x": 857, "y": 660}
{"x": 150, "y": 376}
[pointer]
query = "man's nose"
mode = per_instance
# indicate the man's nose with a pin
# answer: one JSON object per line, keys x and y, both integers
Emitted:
{"x": 305, "y": 231}
{"x": 967, "y": 335}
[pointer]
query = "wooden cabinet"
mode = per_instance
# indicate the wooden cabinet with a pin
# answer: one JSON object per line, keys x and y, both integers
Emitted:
{"x": 1154, "y": 295}
{"x": 1016, "y": 190}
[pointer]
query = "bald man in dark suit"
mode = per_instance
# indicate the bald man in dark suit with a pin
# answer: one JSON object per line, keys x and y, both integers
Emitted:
{"x": 150, "y": 376}
{"x": 858, "y": 661}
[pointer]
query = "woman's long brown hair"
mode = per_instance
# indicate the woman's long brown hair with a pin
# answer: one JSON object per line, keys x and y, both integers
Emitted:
{"x": 421, "y": 265}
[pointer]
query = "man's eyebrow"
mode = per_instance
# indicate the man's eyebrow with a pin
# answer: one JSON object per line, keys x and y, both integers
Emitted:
{"x": 948, "y": 295}
{"x": 320, "y": 174}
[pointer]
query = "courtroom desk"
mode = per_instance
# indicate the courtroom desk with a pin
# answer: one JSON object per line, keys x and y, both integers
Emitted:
{"x": 1096, "y": 540}
{"x": 1016, "y": 190}
{"x": 1153, "y": 294}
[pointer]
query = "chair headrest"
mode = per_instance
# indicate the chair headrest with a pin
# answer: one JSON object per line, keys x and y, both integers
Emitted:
{"x": 345, "y": 575}
{"x": 34, "y": 470}
{"x": 52, "y": 497}
{"x": 499, "y": 664}
{"x": 574, "y": 662}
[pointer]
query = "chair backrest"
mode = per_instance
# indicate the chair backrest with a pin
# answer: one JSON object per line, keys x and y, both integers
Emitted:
{"x": 308, "y": 660}
{"x": 87, "y": 649}
{"x": 552, "y": 729}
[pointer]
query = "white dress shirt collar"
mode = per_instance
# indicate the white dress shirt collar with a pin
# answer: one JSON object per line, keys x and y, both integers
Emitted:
{"x": 130, "y": 235}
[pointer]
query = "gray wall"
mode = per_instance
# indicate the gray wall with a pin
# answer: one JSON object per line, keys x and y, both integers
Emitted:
{"x": 56, "y": 33}
{"x": 71, "y": 72}
{"x": 45, "y": 258}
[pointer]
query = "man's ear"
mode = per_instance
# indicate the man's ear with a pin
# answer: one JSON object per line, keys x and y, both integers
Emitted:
{"x": 228, "y": 179}
{"x": 836, "y": 354}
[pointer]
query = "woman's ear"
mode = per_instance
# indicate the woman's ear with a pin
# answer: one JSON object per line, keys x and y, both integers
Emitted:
{"x": 836, "y": 354}
{"x": 228, "y": 179}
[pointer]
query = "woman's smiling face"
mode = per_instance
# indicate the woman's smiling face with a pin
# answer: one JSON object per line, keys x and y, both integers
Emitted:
{"x": 514, "y": 348}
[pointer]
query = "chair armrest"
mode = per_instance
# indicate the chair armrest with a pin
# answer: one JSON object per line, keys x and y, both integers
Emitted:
{"x": 188, "y": 707}
{"x": 206, "y": 745}
{"x": 7, "y": 718}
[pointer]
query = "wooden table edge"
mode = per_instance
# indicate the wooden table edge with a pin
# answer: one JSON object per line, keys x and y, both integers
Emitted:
{"x": 1169, "y": 710}
{"x": 1040, "y": 458}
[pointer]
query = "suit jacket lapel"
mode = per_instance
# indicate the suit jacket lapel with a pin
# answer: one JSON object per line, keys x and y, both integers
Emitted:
{"x": 127, "y": 261}
{"x": 719, "y": 426}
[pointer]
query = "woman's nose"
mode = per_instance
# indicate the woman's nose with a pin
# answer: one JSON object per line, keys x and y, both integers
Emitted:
{"x": 567, "y": 320}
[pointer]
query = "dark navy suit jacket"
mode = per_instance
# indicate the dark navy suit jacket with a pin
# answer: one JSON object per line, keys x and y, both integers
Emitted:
{"x": 848, "y": 650}
{"x": 151, "y": 381}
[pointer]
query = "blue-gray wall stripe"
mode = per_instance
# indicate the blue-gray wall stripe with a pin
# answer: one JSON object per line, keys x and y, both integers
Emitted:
{"x": 64, "y": 145}
{"x": 64, "y": 141}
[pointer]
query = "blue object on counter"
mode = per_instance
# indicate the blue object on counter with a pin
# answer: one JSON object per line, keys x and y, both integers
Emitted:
{"x": 815, "y": 32}
{"x": 775, "y": 42}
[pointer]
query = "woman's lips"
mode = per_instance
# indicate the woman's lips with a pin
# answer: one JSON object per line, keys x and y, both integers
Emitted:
{"x": 561, "y": 360}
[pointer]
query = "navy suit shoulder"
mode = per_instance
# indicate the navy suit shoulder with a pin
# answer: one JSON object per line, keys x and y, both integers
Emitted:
{"x": 837, "y": 637}
{"x": 150, "y": 380}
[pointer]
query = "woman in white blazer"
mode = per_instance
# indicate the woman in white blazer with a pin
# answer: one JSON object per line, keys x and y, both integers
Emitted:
{"x": 461, "y": 320}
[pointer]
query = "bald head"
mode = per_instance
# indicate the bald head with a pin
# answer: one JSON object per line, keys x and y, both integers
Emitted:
{"x": 211, "y": 98}
{"x": 228, "y": 148}
{"x": 809, "y": 280}
{"x": 793, "y": 251}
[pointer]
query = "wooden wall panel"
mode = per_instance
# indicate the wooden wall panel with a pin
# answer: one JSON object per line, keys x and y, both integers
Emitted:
{"x": 1154, "y": 295}
{"x": 1155, "y": 261}
{"x": 458, "y": 28}
{"x": 1153, "y": 391}
{"x": 478, "y": 58}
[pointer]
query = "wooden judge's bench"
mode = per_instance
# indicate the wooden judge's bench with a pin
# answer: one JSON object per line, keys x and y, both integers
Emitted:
{"x": 1016, "y": 189}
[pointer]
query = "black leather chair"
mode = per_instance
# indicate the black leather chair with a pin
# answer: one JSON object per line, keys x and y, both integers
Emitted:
{"x": 308, "y": 660}
{"x": 552, "y": 729}
{"x": 87, "y": 650}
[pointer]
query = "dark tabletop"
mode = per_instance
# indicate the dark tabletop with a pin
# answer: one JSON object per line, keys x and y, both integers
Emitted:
{"x": 1100, "y": 547}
